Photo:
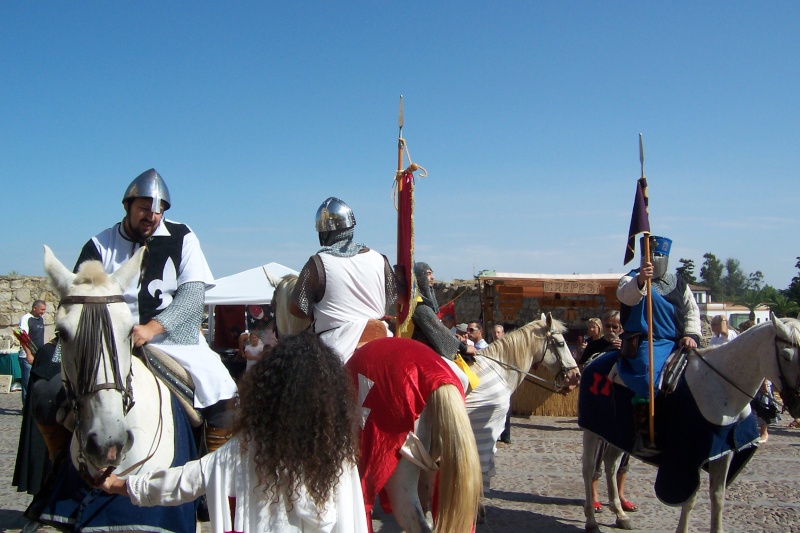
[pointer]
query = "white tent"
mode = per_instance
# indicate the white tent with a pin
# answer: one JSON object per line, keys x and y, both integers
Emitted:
{"x": 249, "y": 287}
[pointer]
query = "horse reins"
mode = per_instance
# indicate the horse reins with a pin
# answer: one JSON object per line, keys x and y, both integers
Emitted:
{"x": 532, "y": 378}
{"x": 734, "y": 385}
{"x": 94, "y": 330}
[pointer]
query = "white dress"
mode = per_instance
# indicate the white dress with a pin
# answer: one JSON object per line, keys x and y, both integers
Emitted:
{"x": 237, "y": 503}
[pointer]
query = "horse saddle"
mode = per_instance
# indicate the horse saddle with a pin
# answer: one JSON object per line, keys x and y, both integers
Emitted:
{"x": 176, "y": 378}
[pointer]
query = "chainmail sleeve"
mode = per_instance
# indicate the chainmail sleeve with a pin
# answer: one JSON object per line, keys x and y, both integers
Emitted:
{"x": 183, "y": 317}
{"x": 391, "y": 288}
{"x": 306, "y": 290}
{"x": 436, "y": 335}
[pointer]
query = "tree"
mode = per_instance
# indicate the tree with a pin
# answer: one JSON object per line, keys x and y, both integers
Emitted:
{"x": 782, "y": 306}
{"x": 751, "y": 299}
{"x": 711, "y": 274}
{"x": 793, "y": 292}
{"x": 755, "y": 280}
{"x": 686, "y": 270}
{"x": 734, "y": 282}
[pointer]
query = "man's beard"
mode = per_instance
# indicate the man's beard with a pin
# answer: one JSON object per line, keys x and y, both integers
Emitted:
{"x": 137, "y": 234}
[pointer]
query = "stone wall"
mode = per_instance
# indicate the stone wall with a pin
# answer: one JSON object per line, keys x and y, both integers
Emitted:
{"x": 17, "y": 293}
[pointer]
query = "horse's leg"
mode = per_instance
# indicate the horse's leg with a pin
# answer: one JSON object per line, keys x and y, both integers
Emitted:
{"x": 404, "y": 499}
{"x": 403, "y": 487}
{"x": 717, "y": 476}
{"x": 591, "y": 443}
{"x": 427, "y": 484}
{"x": 611, "y": 461}
{"x": 686, "y": 511}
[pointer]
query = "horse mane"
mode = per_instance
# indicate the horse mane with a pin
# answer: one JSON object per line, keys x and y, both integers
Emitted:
{"x": 516, "y": 346}
{"x": 91, "y": 273}
{"x": 285, "y": 322}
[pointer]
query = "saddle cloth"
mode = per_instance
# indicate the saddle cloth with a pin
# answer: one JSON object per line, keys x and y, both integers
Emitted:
{"x": 177, "y": 380}
{"x": 685, "y": 440}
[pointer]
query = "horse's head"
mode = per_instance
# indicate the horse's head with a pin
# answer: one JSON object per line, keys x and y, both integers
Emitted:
{"x": 787, "y": 346}
{"x": 94, "y": 325}
{"x": 557, "y": 357}
{"x": 285, "y": 322}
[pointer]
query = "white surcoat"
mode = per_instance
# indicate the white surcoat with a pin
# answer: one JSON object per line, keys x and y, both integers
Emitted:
{"x": 355, "y": 292}
{"x": 175, "y": 257}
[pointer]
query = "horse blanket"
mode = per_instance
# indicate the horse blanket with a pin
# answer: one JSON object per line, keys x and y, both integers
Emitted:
{"x": 685, "y": 440}
{"x": 394, "y": 378}
{"x": 74, "y": 504}
{"x": 487, "y": 406}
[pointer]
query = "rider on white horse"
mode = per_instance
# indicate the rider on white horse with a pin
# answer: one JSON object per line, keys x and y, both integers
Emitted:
{"x": 346, "y": 288}
{"x": 429, "y": 330}
{"x": 166, "y": 301}
{"x": 676, "y": 318}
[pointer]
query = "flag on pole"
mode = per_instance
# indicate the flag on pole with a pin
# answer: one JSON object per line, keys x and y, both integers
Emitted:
{"x": 640, "y": 218}
{"x": 447, "y": 309}
{"x": 405, "y": 251}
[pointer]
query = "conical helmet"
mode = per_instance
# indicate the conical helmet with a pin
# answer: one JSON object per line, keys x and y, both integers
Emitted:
{"x": 334, "y": 215}
{"x": 149, "y": 184}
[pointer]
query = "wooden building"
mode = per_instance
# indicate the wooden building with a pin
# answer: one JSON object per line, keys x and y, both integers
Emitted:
{"x": 516, "y": 299}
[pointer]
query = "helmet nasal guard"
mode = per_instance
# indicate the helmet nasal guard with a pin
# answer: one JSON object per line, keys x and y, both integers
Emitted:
{"x": 334, "y": 215}
{"x": 149, "y": 184}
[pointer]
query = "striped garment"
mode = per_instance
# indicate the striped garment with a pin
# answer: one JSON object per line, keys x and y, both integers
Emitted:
{"x": 487, "y": 407}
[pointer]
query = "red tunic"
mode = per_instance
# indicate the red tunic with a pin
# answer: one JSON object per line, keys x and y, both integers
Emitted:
{"x": 394, "y": 376}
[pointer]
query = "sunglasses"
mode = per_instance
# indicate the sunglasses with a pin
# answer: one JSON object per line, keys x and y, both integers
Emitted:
{"x": 473, "y": 329}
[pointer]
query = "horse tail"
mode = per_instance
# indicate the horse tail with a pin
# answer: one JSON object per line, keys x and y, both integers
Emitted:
{"x": 460, "y": 484}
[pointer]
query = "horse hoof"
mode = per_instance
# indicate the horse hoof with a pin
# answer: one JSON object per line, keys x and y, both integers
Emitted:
{"x": 592, "y": 529}
{"x": 624, "y": 524}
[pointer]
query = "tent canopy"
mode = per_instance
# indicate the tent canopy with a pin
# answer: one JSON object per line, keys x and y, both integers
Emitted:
{"x": 249, "y": 287}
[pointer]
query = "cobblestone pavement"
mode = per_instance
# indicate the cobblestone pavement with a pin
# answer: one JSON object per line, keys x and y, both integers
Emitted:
{"x": 538, "y": 487}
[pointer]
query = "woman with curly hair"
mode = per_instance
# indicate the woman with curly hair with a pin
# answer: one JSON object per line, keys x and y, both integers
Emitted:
{"x": 291, "y": 465}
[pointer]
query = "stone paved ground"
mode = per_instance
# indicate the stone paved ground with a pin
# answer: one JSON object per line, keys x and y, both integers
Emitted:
{"x": 538, "y": 488}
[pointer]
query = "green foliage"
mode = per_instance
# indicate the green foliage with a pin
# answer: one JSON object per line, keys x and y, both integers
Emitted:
{"x": 13, "y": 274}
{"x": 711, "y": 275}
{"x": 751, "y": 299}
{"x": 686, "y": 270}
{"x": 734, "y": 282}
{"x": 782, "y": 306}
{"x": 793, "y": 292}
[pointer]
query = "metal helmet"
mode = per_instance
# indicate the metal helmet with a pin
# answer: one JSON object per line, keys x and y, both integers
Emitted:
{"x": 149, "y": 184}
{"x": 334, "y": 215}
{"x": 659, "y": 248}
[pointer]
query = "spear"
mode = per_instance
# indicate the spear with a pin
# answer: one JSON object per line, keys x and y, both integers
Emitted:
{"x": 647, "y": 254}
{"x": 404, "y": 182}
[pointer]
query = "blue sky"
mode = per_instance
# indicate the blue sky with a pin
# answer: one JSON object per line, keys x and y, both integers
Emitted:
{"x": 525, "y": 114}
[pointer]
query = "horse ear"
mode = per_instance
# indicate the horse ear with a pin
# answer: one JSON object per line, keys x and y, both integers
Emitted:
{"x": 549, "y": 321}
{"x": 58, "y": 273}
{"x": 781, "y": 329}
{"x": 129, "y": 270}
{"x": 543, "y": 318}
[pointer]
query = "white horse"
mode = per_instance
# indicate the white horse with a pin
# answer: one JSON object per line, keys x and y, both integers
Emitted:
{"x": 722, "y": 382}
{"x": 501, "y": 367}
{"x": 121, "y": 415}
{"x": 441, "y": 441}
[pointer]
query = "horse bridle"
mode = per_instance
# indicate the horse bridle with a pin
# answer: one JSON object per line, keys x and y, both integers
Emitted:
{"x": 94, "y": 329}
{"x": 557, "y": 385}
{"x": 789, "y": 394}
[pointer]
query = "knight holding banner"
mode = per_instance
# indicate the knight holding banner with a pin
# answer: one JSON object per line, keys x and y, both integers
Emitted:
{"x": 676, "y": 317}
